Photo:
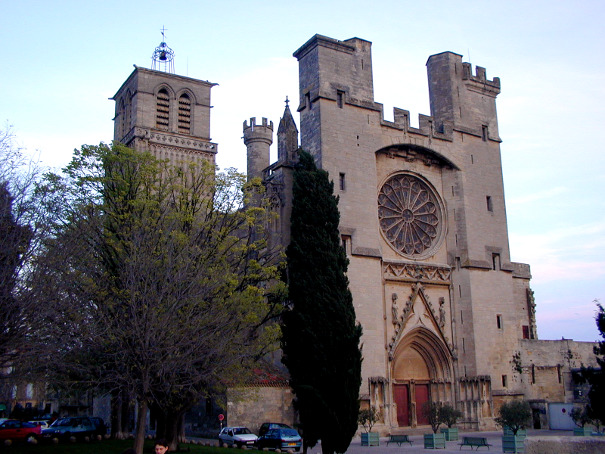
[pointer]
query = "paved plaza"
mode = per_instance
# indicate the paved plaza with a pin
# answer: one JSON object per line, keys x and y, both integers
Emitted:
{"x": 494, "y": 438}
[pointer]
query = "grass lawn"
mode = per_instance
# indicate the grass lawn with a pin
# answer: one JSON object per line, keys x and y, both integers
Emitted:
{"x": 104, "y": 447}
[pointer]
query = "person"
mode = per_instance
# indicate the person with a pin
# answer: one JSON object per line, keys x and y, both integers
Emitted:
{"x": 161, "y": 446}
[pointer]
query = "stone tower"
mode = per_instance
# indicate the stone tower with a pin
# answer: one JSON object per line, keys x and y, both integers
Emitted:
{"x": 258, "y": 140}
{"x": 277, "y": 177}
{"x": 166, "y": 114}
{"x": 423, "y": 222}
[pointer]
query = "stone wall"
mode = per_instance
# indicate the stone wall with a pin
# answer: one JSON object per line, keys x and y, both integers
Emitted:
{"x": 564, "y": 445}
{"x": 250, "y": 407}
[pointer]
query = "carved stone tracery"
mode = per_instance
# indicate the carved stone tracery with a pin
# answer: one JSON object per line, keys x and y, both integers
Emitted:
{"x": 410, "y": 215}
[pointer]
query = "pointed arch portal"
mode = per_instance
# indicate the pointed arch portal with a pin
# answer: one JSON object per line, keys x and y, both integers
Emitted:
{"x": 421, "y": 360}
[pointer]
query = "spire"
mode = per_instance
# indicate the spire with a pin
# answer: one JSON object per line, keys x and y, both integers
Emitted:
{"x": 287, "y": 136}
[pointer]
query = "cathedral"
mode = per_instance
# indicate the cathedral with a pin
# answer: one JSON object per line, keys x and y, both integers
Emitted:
{"x": 447, "y": 316}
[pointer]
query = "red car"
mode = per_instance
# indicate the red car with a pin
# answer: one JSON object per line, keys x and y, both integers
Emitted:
{"x": 13, "y": 429}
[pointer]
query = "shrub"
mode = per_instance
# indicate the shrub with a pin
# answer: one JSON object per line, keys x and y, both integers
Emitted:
{"x": 580, "y": 416}
{"x": 449, "y": 415}
{"x": 514, "y": 415}
{"x": 368, "y": 417}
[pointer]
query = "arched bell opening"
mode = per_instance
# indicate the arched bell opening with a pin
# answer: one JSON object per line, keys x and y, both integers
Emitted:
{"x": 421, "y": 373}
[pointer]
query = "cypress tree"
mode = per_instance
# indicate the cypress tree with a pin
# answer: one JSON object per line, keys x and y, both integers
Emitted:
{"x": 320, "y": 338}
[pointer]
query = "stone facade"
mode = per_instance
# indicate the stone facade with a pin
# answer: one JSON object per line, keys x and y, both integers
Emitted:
{"x": 444, "y": 310}
{"x": 165, "y": 114}
{"x": 446, "y": 315}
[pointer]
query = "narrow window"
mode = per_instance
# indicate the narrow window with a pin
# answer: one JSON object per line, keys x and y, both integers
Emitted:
{"x": 122, "y": 119}
{"x": 499, "y": 321}
{"x": 453, "y": 191}
{"x": 341, "y": 181}
{"x": 461, "y": 318}
{"x": 489, "y": 203}
{"x": 456, "y": 240}
{"x": 472, "y": 159}
{"x": 496, "y": 261}
{"x": 162, "y": 109}
{"x": 340, "y": 98}
{"x": 184, "y": 123}
{"x": 457, "y": 263}
{"x": 484, "y": 133}
{"x": 463, "y": 346}
{"x": 308, "y": 100}
{"x": 504, "y": 381}
{"x": 346, "y": 243}
{"x": 525, "y": 332}
{"x": 460, "y": 291}
{"x": 559, "y": 372}
{"x": 533, "y": 374}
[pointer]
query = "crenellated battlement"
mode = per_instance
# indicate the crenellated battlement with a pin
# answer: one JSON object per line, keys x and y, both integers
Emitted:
{"x": 264, "y": 124}
{"x": 480, "y": 79}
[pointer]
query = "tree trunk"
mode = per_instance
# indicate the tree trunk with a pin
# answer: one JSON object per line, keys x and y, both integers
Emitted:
{"x": 120, "y": 415}
{"x": 139, "y": 438}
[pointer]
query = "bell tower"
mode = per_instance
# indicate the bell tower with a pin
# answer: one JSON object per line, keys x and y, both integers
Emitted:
{"x": 165, "y": 113}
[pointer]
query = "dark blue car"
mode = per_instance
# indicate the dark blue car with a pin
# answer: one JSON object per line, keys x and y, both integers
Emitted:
{"x": 280, "y": 438}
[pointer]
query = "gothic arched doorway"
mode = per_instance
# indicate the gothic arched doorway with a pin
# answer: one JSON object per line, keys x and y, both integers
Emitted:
{"x": 421, "y": 373}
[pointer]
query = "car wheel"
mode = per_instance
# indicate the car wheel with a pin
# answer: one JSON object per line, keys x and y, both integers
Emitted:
{"x": 239, "y": 445}
{"x": 31, "y": 438}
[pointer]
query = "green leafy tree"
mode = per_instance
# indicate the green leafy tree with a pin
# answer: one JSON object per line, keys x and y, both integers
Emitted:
{"x": 368, "y": 417}
{"x": 321, "y": 337}
{"x": 514, "y": 415}
{"x": 450, "y": 415}
{"x": 159, "y": 278}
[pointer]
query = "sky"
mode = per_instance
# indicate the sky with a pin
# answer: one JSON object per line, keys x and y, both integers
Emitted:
{"x": 64, "y": 60}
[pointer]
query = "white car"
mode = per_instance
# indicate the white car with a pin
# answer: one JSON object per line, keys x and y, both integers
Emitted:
{"x": 43, "y": 423}
{"x": 238, "y": 436}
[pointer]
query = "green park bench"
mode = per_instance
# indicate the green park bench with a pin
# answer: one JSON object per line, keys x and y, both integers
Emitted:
{"x": 399, "y": 439}
{"x": 475, "y": 442}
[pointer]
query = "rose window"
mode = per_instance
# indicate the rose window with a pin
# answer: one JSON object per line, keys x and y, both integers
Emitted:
{"x": 410, "y": 215}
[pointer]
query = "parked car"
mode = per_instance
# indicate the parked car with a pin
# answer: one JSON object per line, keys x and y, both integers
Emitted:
{"x": 264, "y": 427}
{"x": 280, "y": 438}
{"x": 79, "y": 427}
{"x": 238, "y": 436}
{"x": 12, "y": 429}
{"x": 43, "y": 423}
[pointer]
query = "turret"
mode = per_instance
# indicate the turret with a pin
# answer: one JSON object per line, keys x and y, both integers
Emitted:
{"x": 460, "y": 99}
{"x": 258, "y": 140}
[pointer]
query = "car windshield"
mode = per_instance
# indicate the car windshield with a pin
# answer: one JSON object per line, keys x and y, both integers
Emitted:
{"x": 289, "y": 433}
{"x": 68, "y": 422}
{"x": 241, "y": 431}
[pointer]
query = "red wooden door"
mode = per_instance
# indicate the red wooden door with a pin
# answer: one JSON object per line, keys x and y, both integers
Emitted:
{"x": 422, "y": 397}
{"x": 402, "y": 399}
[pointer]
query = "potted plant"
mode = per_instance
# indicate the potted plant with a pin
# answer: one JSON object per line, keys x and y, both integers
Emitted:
{"x": 513, "y": 418}
{"x": 433, "y": 412}
{"x": 367, "y": 418}
{"x": 581, "y": 417}
{"x": 449, "y": 416}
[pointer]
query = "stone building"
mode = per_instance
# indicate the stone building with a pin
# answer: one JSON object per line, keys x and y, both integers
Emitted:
{"x": 447, "y": 315}
{"x": 443, "y": 307}
{"x": 165, "y": 114}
